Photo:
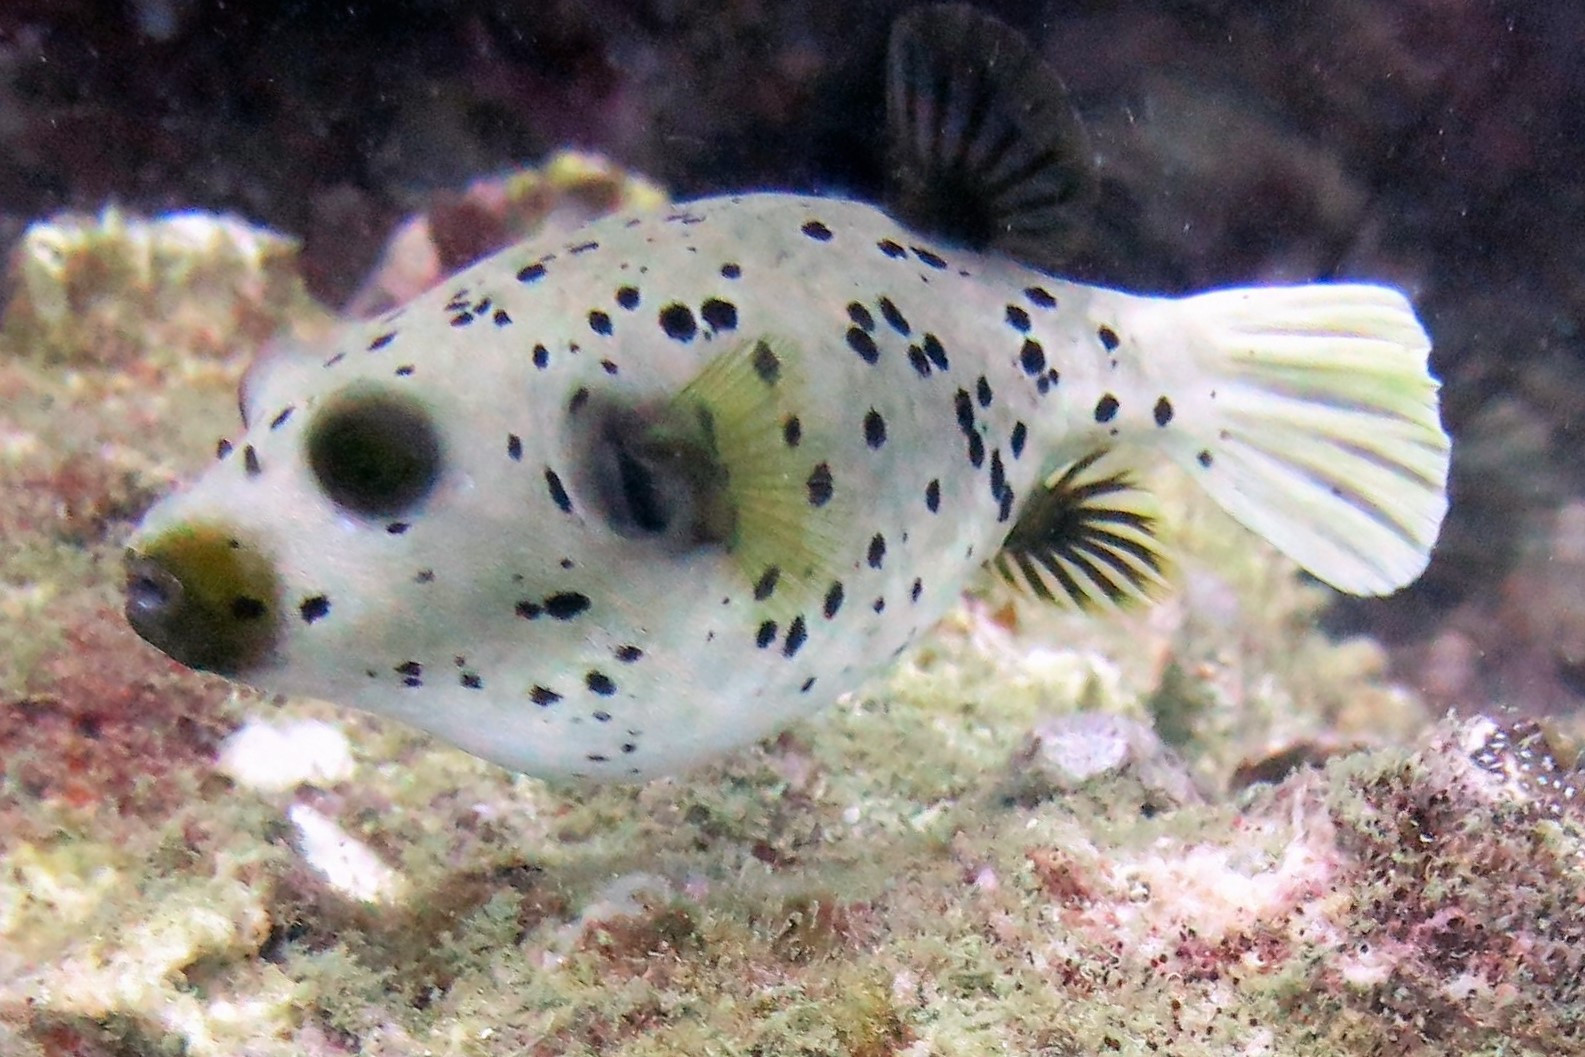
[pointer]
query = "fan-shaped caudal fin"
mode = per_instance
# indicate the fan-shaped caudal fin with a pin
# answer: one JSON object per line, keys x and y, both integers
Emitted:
{"x": 1314, "y": 422}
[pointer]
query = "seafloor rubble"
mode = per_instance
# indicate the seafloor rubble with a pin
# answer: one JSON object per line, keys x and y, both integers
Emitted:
{"x": 1199, "y": 829}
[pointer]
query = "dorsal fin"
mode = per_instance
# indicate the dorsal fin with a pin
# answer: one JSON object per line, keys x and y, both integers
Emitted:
{"x": 1088, "y": 537}
{"x": 986, "y": 150}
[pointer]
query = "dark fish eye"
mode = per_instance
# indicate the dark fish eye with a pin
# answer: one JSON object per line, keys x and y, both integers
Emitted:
{"x": 374, "y": 453}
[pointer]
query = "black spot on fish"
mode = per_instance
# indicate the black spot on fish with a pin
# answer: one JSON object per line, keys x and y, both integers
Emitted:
{"x": 1017, "y": 440}
{"x": 766, "y": 585}
{"x": 1106, "y": 408}
{"x": 600, "y": 322}
{"x": 543, "y": 696}
{"x": 1040, "y": 297}
{"x": 583, "y": 247}
{"x": 1163, "y": 411}
{"x": 461, "y": 319}
{"x": 250, "y": 461}
{"x": 833, "y": 600}
{"x": 222, "y": 448}
{"x": 730, "y": 271}
{"x": 817, "y": 231}
{"x": 861, "y": 343}
{"x": 718, "y": 314}
{"x": 558, "y": 494}
{"x": 766, "y": 634}
{"x": 1032, "y": 357}
{"x": 514, "y": 447}
{"x": 396, "y": 528}
{"x": 934, "y": 350}
{"x": 412, "y": 673}
{"x": 676, "y": 319}
{"x": 797, "y": 632}
{"x": 982, "y": 392}
{"x": 879, "y": 605}
{"x": 766, "y": 363}
{"x": 976, "y": 449}
{"x": 1204, "y": 458}
{"x": 529, "y": 610}
{"x": 628, "y": 654}
{"x": 1108, "y": 338}
{"x": 541, "y": 357}
{"x": 245, "y": 608}
{"x": 998, "y": 477}
{"x": 404, "y": 370}
{"x": 861, "y": 317}
{"x": 891, "y": 249}
{"x": 627, "y": 297}
{"x": 471, "y": 681}
{"x": 280, "y": 420}
{"x": 919, "y": 361}
{"x": 600, "y": 683}
{"x": 1004, "y": 507}
{"x": 608, "y": 366}
{"x": 424, "y": 576}
{"x": 1018, "y": 319}
{"x": 933, "y": 496}
{"x": 579, "y": 398}
{"x": 382, "y": 341}
{"x": 566, "y": 604}
{"x": 963, "y": 405}
{"x": 792, "y": 431}
{"x": 819, "y": 485}
{"x": 500, "y": 318}
{"x": 877, "y": 551}
{"x": 600, "y": 715}
{"x": 933, "y": 260}
{"x": 915, "y": 591}
{"x": 874, "y": 428}
{"x": 894, "y": 318}
{"x": 808, "y": 684}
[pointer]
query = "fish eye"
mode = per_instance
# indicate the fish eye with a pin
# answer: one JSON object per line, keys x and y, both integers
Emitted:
{"x": 374, "y": 453}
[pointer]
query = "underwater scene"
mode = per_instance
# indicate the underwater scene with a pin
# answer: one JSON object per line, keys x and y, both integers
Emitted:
{"x": 652, "y": 527}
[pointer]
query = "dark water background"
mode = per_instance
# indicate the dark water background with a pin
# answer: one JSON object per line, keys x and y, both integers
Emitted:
{"x": 1433, "y": 144}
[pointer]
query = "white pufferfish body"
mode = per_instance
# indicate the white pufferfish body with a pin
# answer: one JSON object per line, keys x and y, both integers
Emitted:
{"x": 684, "y": 477}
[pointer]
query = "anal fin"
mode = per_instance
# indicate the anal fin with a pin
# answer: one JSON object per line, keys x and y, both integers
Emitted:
{"x": 1088, "y": 537}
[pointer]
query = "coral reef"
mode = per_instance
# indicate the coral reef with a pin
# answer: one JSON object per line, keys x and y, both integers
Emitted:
{"x": 1201, "y": 828}
{"x": 1205, "y": 828}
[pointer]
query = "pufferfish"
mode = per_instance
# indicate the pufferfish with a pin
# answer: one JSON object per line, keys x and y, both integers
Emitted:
{"x": 609, "y": 505}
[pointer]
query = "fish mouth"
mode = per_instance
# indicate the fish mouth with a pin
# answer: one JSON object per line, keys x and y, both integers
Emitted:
{"x": 204, "y": 598}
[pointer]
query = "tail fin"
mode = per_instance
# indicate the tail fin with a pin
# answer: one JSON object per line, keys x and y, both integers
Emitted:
{"x": 1317, "y": 426}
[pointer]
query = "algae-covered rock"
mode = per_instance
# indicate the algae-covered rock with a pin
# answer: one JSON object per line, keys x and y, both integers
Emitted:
{"x": 115, "y": 289}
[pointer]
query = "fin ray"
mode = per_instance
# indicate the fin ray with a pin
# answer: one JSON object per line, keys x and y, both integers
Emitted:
{"x": 1318, "y": 427}
{"x": 774, "y": 525}
{"x": 1088, "y": 538}
{"x": 985, "y": 148}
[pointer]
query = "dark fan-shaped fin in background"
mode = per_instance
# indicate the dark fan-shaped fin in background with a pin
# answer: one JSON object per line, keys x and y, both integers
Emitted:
{"x": 985, "y": 149}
